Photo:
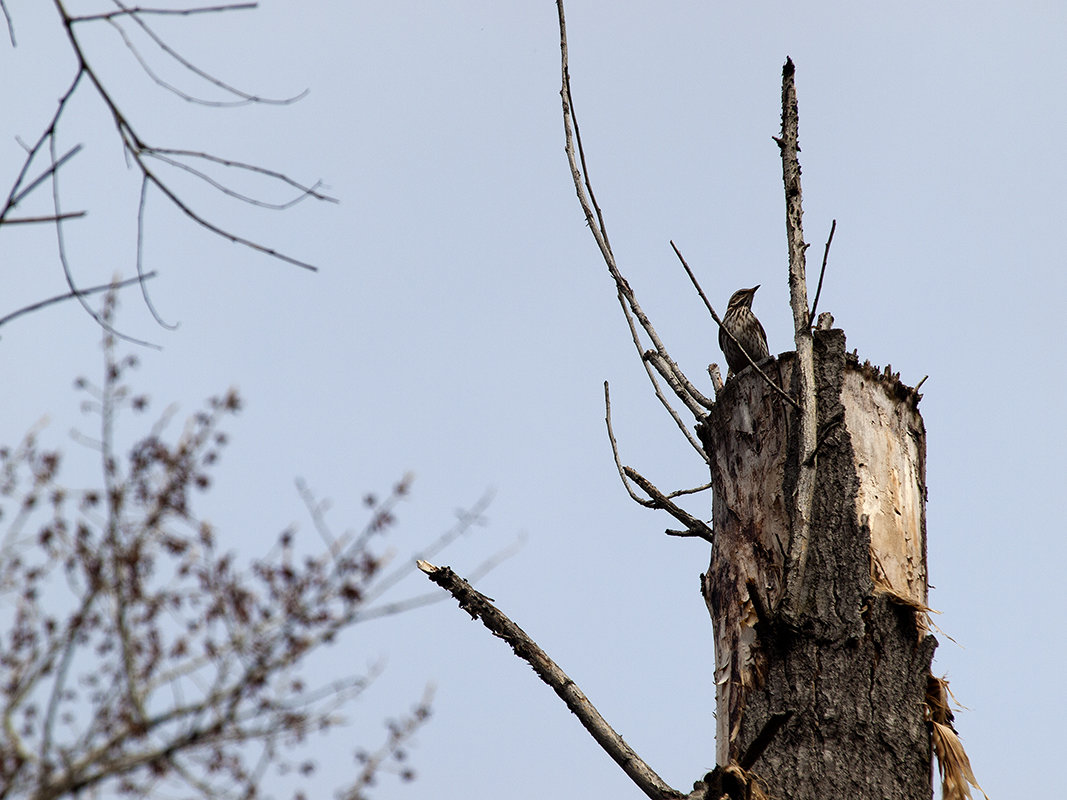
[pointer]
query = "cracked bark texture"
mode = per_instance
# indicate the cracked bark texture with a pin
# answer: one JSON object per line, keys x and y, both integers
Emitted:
{"x": 850, "y": 674}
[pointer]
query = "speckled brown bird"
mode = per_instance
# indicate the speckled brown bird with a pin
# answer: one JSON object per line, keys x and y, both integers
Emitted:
{"x": 742, "y": 323}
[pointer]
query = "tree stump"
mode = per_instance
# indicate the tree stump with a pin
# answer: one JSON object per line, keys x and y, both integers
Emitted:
{"x": 826, "y": 699}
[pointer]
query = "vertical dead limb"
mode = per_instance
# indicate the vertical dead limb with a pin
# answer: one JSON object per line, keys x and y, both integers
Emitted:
{"x": 788, "y": 143}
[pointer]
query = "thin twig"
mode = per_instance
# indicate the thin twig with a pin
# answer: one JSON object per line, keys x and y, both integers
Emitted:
{"x": 71, "y": 295}
{"x": 822, "y": 270}
{"x": 65, "y": 263}
{"x": 781, "y": 392}
{"x": 615, "y": 452}
{"x": 207, "y": 76}
{"x": 309, "y": 191}
{"x": 184, "y": 12}
{"x": 920, "y": 383}
{"x": 10, "y": 24}
{"x": 49, "y": 218}
{"x": 141, "y": 205}
{"x": 15, "y": 199}
{"x": 480, "y": 607}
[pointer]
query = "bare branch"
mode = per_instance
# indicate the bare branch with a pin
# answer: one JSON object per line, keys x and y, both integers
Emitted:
{"x": 822, "y": 270}
{"x": 660, "y": 500}
{"x": 803, "y": 496}
{"x": 480, "y": 607}
{"x": 692, "y": 397}
{"x": 141, "y": 205}
{"x": 71, "y": 295}
{"x": 666, "y": 361}
{"x": 188, "y": 65}
{"x": 615, "y": 452}
{"x": 16, "y": 198}
{"x": 305, "y": 191}
{"x": 781, "y": 393}
{"x": 74, "y": 291}
{"x": 50, "y": 218}
{"x": 184, "y": 12}
{"x": 595, "y": 219}
{"x": 10, "y": 24}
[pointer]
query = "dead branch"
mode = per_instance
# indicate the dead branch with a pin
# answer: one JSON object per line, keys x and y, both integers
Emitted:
{"x": 595, "y": 220}
{"x": 693, "y": 398}
{"x": 183, "y": 12}
{"x": 480, "y": 607}
{"x": 822, "y": 270}
{"x": 662, "y": 501}
{"x": 667, "y": 364}
{"x": 729, "y": 333}
{"x": 716, "y": 377}
{"x": 788, "y": 143}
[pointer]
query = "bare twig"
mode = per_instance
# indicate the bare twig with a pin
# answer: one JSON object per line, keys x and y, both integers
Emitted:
{"x": 65, "y": 263}
{"x": 729, "y": 333}
{"x": 195, "y": 70}
{"x": 141, "y": 205}
{"x": 479, "y": 607}
{"x": 17, "y": 196}
{"x": 10, "y": 24}
{"x": 50, "y": 218}
{"x": 788, "y": 143}
{"x": 920, "y": 383}
{"x": 182, "y": 12}
{"x": 822, "y": 270}
{"x": 615, "y": 453}
{"x": 71, "y": 295}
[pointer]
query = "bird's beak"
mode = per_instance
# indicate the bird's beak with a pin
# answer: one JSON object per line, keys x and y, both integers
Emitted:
{"x": 753, "y": 289}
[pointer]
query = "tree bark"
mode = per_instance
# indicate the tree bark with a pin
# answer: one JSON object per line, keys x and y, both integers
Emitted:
{"x": 827, "y": 700}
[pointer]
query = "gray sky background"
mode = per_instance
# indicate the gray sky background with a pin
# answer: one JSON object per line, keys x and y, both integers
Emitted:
{"x": 462, "y": 325}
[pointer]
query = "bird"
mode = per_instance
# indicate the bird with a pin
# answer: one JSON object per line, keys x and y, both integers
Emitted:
{"x": 742, "y": 323}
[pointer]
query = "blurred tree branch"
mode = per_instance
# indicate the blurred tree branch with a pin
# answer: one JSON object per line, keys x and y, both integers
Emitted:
{"x": 154, "y": 162}
{"x": 137, "y": 655}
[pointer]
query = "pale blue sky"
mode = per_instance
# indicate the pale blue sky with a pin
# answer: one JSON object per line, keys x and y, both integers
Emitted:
{"x": 462, "y": 325}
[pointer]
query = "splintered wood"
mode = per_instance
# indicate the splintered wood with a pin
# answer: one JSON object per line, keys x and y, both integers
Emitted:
{"x": 888, "y": 440}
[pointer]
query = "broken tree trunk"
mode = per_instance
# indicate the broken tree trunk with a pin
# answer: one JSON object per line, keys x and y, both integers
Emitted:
{"x": 826, "y": 698}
